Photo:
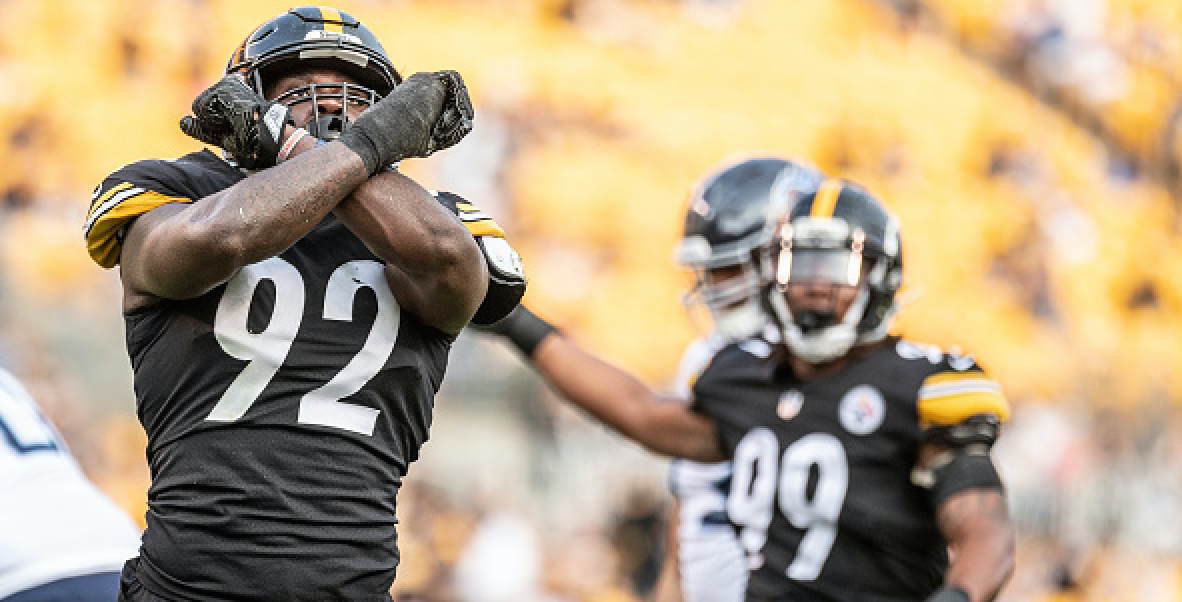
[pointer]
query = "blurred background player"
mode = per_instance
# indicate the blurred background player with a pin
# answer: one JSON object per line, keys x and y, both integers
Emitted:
{"x": 1055, "y": 209}
{"x": 289, "y": 312}
{"x": 729, "y": 218}
{"x": 860, "y": 460}
{"x": 61, "y": 539}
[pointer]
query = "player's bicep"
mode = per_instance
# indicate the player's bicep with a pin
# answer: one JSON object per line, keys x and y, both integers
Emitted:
{"x": 434, "y": 302}
{"x": 158, "y": 257}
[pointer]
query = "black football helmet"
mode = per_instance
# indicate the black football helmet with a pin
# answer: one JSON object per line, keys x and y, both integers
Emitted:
{"x": 839, "y": 234}
{"x": 729, "y": 219}
{"x": 312, "y": 37}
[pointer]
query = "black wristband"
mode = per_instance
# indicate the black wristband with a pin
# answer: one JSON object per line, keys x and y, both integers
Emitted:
{"x": 965, "y": 470}
{"x": 360, "y": 142}
{"x": 524, "y": 329}
{"x": 950, "y": 593}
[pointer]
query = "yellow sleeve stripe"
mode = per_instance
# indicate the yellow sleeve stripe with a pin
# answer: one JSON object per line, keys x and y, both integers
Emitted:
{"x": 485, "y": 227}
{"x": 949, "y": 377}
{"x": 951, "y": 409}
{"x": 102, "y": 241}
{"x": 466, "y": 207}
{"x": 97, "y": 200}
{"x": 968, "y": 385}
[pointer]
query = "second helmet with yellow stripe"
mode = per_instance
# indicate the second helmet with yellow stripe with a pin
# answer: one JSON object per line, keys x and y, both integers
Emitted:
{"x": 841, "y": 235}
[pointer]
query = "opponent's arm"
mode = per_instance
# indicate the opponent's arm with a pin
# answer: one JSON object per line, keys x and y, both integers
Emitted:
{"x": 610, "y": 394}
{"x": 668, "y": 587}
{"x": 970, "y": 508}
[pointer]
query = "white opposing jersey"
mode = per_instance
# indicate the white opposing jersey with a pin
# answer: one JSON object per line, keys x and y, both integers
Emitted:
{"x": 711, "y": 561}
{"x": 54, "y": 523}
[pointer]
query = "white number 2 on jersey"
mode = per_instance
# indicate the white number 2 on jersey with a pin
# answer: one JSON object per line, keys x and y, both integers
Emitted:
{"x": 757, "y": 477}
{"x": 266, "y": 350}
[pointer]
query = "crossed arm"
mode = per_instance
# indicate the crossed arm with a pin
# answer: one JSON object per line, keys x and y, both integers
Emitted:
{"x": 435, "y": 269}
{"x": 181, "y": 251}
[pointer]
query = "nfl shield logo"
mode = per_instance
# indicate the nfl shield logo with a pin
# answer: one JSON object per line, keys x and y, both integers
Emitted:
{"x": 789, "y": 405}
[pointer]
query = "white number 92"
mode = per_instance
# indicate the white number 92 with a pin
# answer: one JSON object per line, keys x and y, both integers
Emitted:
{"x": 267, "y": 350}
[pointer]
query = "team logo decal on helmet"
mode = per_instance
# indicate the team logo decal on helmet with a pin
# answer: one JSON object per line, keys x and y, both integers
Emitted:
{"x": 840, "y": 234}
{"x": 727, "y": 223}
{"x": 316, "y": 37}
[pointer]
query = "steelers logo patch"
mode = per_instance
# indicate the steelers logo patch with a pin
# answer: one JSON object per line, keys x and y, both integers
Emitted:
{"x": 862, "y": 410}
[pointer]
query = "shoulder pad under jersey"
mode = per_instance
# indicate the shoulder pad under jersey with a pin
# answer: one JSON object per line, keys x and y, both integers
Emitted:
{"x": 506, "y": 273}
{"x": 955, "y": 389}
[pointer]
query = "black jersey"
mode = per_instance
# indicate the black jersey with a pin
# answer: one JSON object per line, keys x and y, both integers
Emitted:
{"x": 282, "y": 408}
{"x": 821, "y": 493}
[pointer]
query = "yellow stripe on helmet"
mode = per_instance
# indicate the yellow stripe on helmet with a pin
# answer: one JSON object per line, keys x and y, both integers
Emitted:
{"x": 332, "y": 19}
{"x": 825, "y": 201}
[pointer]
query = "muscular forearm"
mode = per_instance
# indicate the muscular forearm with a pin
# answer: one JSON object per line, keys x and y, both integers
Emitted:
{"x": 179, "y": 251}
{"x": 434, "y": 265}
{"x": 273, "y": 208}
{"x": 405, "y": 226}
{"x": 977, "y": 527}
{"x": 619, "y": 400}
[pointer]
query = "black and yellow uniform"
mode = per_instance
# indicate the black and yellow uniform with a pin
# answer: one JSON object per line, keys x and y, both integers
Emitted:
{"x": 282, "y": 408}
{"x": 821, "y": 493}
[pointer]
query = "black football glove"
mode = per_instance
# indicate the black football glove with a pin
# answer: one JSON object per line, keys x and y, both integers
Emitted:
{"x": 231, "y": 115}
{"x": 425, "y": 113}
{"x": 456, "y": 119}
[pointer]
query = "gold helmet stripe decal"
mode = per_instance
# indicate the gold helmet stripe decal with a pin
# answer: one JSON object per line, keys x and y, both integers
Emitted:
{"x": 825, "y": 200}
{"x": 332, "y": 19}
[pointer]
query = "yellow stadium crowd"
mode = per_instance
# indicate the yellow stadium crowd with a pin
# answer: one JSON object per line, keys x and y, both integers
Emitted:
{"x": 1032, "y": 151}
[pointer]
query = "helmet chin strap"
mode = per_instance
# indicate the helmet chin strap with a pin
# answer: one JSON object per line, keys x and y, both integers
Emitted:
{"x": 824, "y": 344}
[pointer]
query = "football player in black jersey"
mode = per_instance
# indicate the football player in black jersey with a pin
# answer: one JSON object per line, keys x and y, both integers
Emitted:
{"x": 725, "y": 220}
{"x": 861, "y": 468}
{"x": 289, "y": 310}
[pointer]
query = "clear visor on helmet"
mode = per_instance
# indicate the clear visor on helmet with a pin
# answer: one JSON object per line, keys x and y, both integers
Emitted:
{"x": 828, "y": 266}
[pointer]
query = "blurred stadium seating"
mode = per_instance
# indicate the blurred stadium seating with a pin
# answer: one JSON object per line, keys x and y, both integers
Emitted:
{"x": 1031, "y": 148}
